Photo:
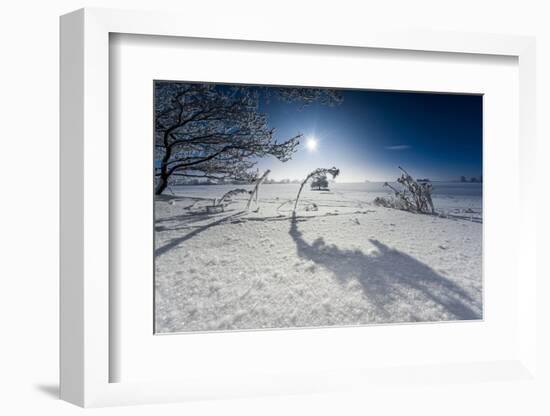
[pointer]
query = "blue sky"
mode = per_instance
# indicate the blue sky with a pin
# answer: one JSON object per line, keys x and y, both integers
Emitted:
{"x": 438, "y": 136}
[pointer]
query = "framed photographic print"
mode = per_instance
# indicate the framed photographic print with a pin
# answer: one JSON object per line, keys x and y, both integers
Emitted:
{"x": 280, "y": 207}
{"x": 280, "y": 213}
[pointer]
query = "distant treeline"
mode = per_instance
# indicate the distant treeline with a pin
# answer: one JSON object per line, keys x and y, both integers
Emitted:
{"x": 462, "y": 179}
{"x": 231, "y": 182}
{"x": 473, "y": 179}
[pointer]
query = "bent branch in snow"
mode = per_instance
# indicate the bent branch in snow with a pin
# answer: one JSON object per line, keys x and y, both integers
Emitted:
{"x": 316, "y": 173}
{"x": 228, "y": 195}
{"x": 255, "y": 191}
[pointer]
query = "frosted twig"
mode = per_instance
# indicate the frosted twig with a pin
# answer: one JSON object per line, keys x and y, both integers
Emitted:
{"x": 317, "y": 172}
{"x": 255, "y": 191}
{"x": 228, "y": 195}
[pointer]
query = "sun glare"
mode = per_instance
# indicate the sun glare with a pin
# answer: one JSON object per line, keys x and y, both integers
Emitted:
{"x": 311, "y": 144}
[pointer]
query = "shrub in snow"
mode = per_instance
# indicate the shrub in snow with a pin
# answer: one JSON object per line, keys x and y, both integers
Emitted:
{"x": 315, "y": 174}
{"x": 380, "y": 201}
{"x": 319, "y": 182}
{"x": 390, "y": 202}
{"x": 413, "y": 196}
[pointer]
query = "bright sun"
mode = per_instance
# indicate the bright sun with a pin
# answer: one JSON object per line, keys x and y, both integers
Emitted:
{"x": 311, "y": 144}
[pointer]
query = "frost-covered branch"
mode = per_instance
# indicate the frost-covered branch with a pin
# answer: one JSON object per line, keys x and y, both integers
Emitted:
{"x": 320, "y": 172}
{"x": 255, "y": 191}
{"x": 230, "y": 194}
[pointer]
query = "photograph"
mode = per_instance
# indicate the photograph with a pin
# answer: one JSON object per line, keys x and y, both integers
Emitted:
{"x": 279, "y": 207}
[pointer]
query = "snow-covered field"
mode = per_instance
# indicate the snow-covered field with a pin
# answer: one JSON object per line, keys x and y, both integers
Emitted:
{"x": 340, "y": 261}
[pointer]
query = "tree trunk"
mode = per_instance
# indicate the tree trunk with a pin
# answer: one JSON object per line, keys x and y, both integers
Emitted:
{"x": 163, "y": 178}
{"x": 161, "y": 185}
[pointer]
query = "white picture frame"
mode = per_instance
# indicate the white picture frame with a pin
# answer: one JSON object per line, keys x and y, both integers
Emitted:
{"x": 86, "y": 356}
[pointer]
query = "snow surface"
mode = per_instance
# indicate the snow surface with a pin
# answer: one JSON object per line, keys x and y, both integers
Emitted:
{"x": 339, "y": 261}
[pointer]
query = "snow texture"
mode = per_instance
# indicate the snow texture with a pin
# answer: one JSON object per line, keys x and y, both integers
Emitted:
{"x": 347, "y": 262}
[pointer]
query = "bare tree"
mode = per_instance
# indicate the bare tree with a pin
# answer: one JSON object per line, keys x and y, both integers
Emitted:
{"x": 215, "y": 133}
{"x": 319, "y": 182}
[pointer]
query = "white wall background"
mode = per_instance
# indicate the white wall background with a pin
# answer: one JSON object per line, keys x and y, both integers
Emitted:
{"x": 29, "y": 206}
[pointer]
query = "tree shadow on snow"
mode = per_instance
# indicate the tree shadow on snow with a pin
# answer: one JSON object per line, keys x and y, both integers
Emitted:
{"x": 389, "y": 276}
{"x": 174, "y": 242}
{"x": 186, "y": 218}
